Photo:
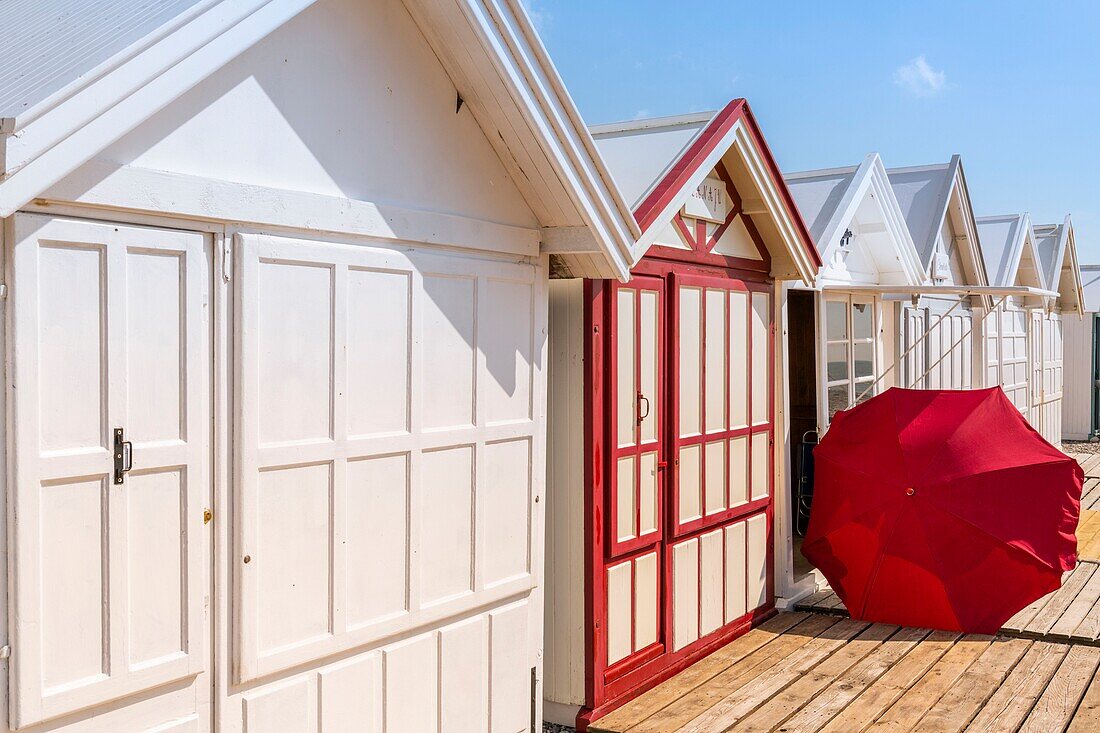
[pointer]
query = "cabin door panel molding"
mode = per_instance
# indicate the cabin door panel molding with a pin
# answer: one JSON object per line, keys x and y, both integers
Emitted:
{"x": 684, "y": 559}
{"x": 110, "y": 345}
{"x": 387, "y": 444}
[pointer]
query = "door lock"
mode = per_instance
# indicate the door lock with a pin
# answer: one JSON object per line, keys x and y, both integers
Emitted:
{"x": 124, "y": 456}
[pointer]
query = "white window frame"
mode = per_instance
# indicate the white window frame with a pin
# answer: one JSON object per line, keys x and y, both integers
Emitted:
{"x": 856, "y": 386}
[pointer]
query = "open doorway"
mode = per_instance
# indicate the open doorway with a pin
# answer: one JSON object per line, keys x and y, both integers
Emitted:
{"x": 802, "y": 350}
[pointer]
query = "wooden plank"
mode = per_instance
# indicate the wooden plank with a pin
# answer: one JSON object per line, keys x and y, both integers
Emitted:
{"x": 737, "y": 705}
{"x": 706, "y": 695}
{"x": 1061, "y": 600}
{"x": 1075, "y": 613}
{"x": 683, "y": 683}
{"x": 819, "y": 711}
{"x": 870, "y": 703}
{"x": 919, "y": 699}
{"x": 1024, "y": 616}
{"x": 1059, "y": 700}
{"x": 782, "y": 706}
{"x": 1013, "y": 700}
{"x": 1089, "y": 628}
{"x": 965, "y": 698}
{"x": 1088, "y": 536}
{"x": 812, "y": 600}
{"x": 1087, "y": 717}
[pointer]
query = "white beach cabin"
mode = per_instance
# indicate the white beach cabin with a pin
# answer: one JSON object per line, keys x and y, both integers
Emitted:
{"x": 937, "y": 324}
{"x": 1011, "y": 259}
{"x": 843, "y": 335}
{"x": 275, "y": 346}
{"x": 1081, "y": 363}
{"x": 1057, "y": 250}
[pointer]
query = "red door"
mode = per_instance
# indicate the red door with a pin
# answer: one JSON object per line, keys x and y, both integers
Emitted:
{"x": 683, "y": 561}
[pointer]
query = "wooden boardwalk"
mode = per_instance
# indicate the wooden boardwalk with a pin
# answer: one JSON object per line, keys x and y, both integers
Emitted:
{"x": 802, "y": 672}
{"x": 1071, "y": 613}
{"x": 817, "y": 670}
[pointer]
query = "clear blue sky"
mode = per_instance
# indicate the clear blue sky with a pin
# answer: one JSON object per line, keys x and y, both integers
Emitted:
{"x": 1014, "y": 87}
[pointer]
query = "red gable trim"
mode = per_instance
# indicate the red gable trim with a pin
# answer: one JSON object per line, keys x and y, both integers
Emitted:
{"x": 688, "y": 165}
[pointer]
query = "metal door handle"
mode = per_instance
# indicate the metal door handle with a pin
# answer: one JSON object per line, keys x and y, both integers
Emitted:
{"x": 640, "y": 415}
{"x": 124, "y": 456}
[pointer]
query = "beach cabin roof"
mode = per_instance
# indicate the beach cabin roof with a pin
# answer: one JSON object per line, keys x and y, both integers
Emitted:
{"x": 858, "y": 202}
{"x": 1009, "y": 251}
{"x": 1058, "y": 261}
{"x": 935, "y": 202}
{"x": 1090, "y": 287}
{"x": 79, "y": 75}
{"x": 659, "y": 164}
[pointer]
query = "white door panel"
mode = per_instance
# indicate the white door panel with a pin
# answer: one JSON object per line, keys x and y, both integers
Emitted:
{"x": 109, "y": 330}
{"x": 385, "y": 445}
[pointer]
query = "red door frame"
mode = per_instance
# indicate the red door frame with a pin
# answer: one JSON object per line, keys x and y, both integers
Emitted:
{"x": 607, "y": 688}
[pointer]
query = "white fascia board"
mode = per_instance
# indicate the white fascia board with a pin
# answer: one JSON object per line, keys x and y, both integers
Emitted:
{"x": 871, "y": 175}
{"x": 774, "y": 202}
{"x": 61, "y": 139}
{"x": 506, "y": 34}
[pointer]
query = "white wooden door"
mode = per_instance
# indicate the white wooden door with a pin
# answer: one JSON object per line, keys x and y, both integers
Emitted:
{"x": 387, "y": 534}
{"x": 109, "y": 331}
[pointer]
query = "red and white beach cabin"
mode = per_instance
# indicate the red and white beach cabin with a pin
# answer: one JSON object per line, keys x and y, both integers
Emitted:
{"x": 664, "y": 408}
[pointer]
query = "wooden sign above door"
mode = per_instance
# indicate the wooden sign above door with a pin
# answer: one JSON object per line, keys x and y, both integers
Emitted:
{"x": 710, "y": 202}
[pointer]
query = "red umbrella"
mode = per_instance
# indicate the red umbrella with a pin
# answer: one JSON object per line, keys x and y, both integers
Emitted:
{"x": 941, "y": 509}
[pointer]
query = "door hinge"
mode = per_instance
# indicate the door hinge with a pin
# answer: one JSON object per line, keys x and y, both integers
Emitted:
{"x": 227, "y": 257}
{"x": 124, "y": 456}
{"x": 3, "y": 291}
{"x": 535, "y": 727}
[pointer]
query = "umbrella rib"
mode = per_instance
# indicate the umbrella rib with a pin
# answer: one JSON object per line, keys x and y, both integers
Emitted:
{"x": 1001, "y": 469}
{"x": 873, "y": 577}
{"x": 880, "y": 506}
{"x": 992, "y": 536}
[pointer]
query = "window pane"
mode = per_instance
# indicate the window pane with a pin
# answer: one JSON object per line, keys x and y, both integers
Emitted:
{"x": 838, "y": 399}
{"x": 863, "y": 360}
{"x": 836, "y": 320}
{"x": 761, "y": 355}
{"x": 860, "y": 388}
{"x": 690, "y": 491}
{"x": 649, "y": 366}
{"x": 716, "y": 352}
{"x": 690, "y": 360}
{"x": 739, "y": 359}
{"x": 627, "y": 393}
{"x": 624, "y": 492}
{"x": 863, "y": 320}
{"x": 837, "y": 367}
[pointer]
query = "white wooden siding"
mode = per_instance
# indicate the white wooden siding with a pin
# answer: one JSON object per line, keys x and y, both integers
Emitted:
{"x": 1078, "y": 388}
{"x": 944, "y": 355}
{"x": 565, "y": 560}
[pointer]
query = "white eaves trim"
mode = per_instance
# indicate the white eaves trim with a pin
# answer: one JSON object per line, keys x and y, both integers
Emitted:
{"x": 871, "y": 174}
{"x": 60, "y": 139}
{"x": 508, "y": 39}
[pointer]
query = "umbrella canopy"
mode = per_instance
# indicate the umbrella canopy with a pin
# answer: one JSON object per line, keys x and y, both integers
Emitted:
{"x": 941, "y": 509}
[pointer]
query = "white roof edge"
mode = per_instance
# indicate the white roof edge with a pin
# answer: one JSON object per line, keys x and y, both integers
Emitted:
{"x": 822, "y": 172}
{"x": 620, "y": 239}
{"x": 28, "y": 115}
{"x": 79, "y": 125}
{"x": 871, "y": 174}
{"x": 652, "y": 123}
{"x": 70, "y": 133}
